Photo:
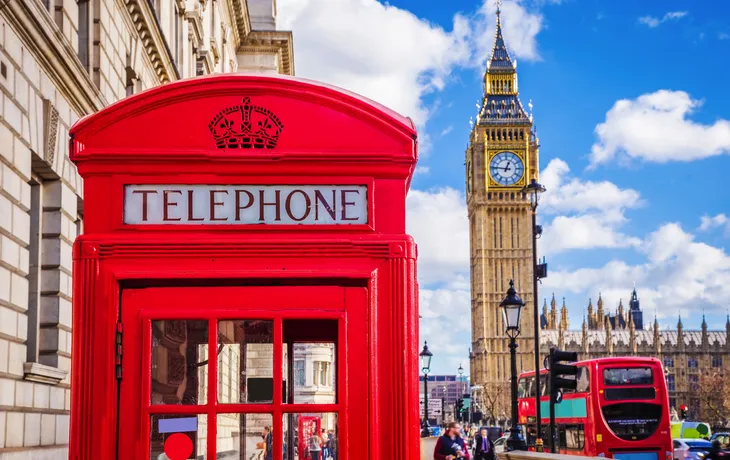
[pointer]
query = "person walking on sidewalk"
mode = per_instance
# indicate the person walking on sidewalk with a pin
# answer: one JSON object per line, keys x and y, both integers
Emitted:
{"x": 315, "y": 446}
{"x": 451, "y": 446}
{"x": 483, "y": 446}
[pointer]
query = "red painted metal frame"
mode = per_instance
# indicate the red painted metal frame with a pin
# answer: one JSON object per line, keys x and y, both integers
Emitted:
{"x": 329, "y": 137}
{"x": 141, "y": 307}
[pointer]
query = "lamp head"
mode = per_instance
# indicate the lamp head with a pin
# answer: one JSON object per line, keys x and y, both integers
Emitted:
{"x": 426, "y": 356}
{"x": 533, "y": 191}
{"x": 512, "y": 309}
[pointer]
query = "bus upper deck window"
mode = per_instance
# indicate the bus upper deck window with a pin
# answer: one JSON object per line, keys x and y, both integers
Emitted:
{"x": 628, "y": 376}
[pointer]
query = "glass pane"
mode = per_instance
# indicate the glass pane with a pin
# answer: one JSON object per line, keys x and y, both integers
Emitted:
{"x": 179, "y": 362}
{"x": 245, "y": 361}
{"x": 244, "y": 436}
{"x": 285, "y": 372}
{"x": 628, "y": 376}
{"x": 178, "y": 437}
{"x": 314, "y": 373}
{"x": 311, "y": 436}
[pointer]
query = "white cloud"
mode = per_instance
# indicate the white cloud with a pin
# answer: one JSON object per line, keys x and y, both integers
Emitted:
{"x": 679, "y": 275}
{"x": 422, "y": 170}
{"x": 571, "y": 194}
{"x": 438, "y": 221}
{"x": 587, "y": 214}
{"x": 446, "y": 325}
{"x": 375, "y": 49}
{"x": 582, "y": 232}
{"x": 719, "y": 221}
{"x": 389, "y": 54}
{"x": 652, "y": 21}
{"x": 655, "y": 127}
{"x": 447, "y": 130}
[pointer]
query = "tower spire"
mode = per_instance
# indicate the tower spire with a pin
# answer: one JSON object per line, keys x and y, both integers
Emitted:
{"x": 500, "y": 59}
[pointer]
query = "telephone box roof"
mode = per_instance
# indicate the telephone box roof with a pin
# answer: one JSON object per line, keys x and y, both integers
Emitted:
{"x": 214, "y": 84}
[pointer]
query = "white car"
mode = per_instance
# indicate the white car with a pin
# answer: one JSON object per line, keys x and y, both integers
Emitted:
{"x": 687, "y": 449}
{"x": 500, "y": 444}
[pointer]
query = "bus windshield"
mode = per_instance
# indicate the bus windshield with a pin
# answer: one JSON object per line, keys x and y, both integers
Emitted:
{"x": 628, "y": 376}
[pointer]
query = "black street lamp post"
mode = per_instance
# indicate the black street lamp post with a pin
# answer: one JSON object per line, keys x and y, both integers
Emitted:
{"x": 533, "y": 190}
{"x": 511, "y": 309}
{"x": 425, "y": 368}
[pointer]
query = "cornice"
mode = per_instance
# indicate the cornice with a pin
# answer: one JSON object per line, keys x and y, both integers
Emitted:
{"x": 154, "y": 43}
{"x": 54, "y": 54}
{"x": 271, "y": 41}
{"x": 238, "y": 11}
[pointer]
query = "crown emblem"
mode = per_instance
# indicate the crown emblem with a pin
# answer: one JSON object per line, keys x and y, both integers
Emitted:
{"x": 246, "y": 126}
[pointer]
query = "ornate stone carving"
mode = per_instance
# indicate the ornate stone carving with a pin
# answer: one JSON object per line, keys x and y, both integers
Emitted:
{"x": 50, "y": 131}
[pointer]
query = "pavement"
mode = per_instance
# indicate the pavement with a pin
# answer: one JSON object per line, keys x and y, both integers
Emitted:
{"x": 427, "y": 446}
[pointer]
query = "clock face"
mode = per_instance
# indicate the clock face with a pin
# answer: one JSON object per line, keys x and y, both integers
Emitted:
{"x": 506, "y": 168}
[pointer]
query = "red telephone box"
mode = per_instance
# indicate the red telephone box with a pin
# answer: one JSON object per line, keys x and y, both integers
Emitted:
{"x": 308, "y": 427}
{"x": 244, "y": 265}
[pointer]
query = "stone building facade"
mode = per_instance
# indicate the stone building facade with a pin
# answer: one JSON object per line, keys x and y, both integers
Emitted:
{"x": 61, "y": 60}
{"x": 501, "y": 158}
{"x": 693, "y": 360}
{"x": 447, "y": 388}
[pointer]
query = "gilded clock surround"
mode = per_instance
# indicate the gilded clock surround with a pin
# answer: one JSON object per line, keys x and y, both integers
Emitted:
{"x": 520, "y": 183}
{"x": 500, "y": 227}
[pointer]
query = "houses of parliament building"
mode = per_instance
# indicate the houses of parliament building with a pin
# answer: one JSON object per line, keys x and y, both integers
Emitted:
{"x": 501, "y": 158}
{"x": 689, "y": 356}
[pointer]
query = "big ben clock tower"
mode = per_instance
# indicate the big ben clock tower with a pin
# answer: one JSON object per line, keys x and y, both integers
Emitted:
{"x": 501, "y": 159}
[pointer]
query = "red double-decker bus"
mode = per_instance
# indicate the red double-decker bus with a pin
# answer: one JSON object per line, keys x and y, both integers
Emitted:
{"x": 620, "y": 409}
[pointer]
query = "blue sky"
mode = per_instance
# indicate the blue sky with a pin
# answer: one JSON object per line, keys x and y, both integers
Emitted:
{"x": 631, "y": 111}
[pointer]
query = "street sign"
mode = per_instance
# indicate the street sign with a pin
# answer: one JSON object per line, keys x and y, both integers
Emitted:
{"x": 435, "y": 407}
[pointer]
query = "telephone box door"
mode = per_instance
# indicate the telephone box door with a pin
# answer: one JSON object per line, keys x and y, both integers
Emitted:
{"x": 234, "y": 372}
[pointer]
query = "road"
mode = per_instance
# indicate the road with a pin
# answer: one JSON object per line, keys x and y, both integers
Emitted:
{"x": 427, "y": 445}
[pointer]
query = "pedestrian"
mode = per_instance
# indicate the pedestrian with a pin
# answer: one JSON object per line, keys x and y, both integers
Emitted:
{"x": 330, "y": 444}
{"x": 315, "y": 446}
{"x": 451, "y": 445}
{"x": 268, "y": 444}
{"x": 325, "y": 445}
{"x": 483, "y": 446}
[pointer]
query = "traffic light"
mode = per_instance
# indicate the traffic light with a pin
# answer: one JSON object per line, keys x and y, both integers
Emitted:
{"x": 459, "y": 409}
{"x": 683, "y": 412}
{"x": 557, "y": 372}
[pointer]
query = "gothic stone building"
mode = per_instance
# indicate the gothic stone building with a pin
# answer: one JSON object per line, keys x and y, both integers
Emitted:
{"x": 61, "y": 60}
{"x": 688, "y": 356}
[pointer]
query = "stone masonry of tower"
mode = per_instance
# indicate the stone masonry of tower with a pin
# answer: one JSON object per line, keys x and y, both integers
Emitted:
{"x": 501, "y": 158}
